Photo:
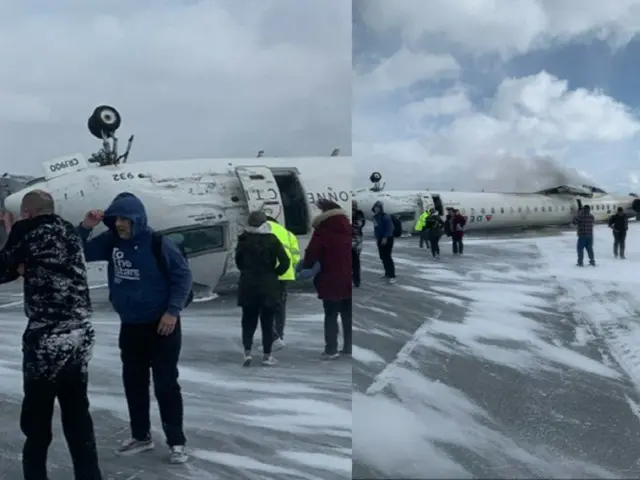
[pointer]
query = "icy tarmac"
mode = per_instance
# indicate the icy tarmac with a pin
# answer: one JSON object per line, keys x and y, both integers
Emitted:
{"x": 291, "y": 421}
{"x": 507, "y": 362}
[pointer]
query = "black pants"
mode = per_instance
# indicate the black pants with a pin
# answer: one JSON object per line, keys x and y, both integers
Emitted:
{"x": 250, "y": 317}
{"x": 70, "y": 387}
{"x": 280, "y": 314}
{"x": 619, "y": 240}
{"x": 331, "y": 311}
{"x": 434, "y": 242}
{"x": 458, "y": 246}
{"x": 142, "y": 350}
{"x": 385, "y": 251}
{"x": 424, "y": 238}
{"x": 355, "y": 266}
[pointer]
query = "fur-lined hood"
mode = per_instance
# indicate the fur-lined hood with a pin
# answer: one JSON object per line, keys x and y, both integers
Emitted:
{"x": 327, "y": 215}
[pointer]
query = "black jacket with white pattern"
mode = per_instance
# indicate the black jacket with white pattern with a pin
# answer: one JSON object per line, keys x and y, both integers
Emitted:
{"x": 56, "y": 291}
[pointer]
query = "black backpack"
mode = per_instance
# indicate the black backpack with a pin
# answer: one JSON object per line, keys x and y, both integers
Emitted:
{"x": 397, "y": 226}
{"x": 156, "y": 249}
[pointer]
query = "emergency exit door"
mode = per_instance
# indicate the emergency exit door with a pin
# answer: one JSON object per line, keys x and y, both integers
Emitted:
{"x": 261, "y": 191}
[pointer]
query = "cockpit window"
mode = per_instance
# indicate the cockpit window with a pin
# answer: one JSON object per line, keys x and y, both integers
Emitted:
{"x": 198, "y": 239}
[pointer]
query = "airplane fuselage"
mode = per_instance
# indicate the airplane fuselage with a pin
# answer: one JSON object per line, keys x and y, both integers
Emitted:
{"x": 492, "y": 211}
{"x": 204, "y": 203}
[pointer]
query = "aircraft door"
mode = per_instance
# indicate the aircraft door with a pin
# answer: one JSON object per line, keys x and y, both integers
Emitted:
{"x": 437, "y": 203}
{"x": 425, "y": 203}
{"x": 261, "y": 191}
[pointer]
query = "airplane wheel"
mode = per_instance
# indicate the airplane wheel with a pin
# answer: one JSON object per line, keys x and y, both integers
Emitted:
{"x": 104, "y": 119}
{"x": 375, "y": 177}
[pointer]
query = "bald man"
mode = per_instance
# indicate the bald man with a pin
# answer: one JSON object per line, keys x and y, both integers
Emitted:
{"x": 59, "y": 337}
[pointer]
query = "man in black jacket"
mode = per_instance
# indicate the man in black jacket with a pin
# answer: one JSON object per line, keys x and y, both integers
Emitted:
{"x": 261, "y": 259}
{"x": 59, "y": 337}
{"x": 619, "y": 223}
{"x": 357, "y": 224}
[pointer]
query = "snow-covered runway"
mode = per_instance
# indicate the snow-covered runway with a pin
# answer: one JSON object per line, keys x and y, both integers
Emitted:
{"x": 290, "y": 421}
{"x": 506, "y": 362}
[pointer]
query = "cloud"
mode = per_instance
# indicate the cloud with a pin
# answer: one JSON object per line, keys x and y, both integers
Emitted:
{"x": 203, "y": 78}
{"x": 437, "y": 124}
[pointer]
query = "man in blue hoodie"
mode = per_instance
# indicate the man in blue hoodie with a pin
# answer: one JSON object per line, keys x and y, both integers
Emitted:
{"x": 148, "y": 296}
{"x": 383, "y": 231}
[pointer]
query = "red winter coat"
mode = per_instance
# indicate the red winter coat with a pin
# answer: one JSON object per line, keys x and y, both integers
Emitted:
{"x": 458, "y": 222}
{"x": 330, "y": 245}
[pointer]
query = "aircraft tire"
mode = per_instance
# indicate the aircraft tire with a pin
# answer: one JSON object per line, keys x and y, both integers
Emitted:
{"x": 104, "y": 119}
{"x": 375, "y": 177}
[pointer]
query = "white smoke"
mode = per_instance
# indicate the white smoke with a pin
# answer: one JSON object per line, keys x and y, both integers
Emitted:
{"x": 514, "y": 173}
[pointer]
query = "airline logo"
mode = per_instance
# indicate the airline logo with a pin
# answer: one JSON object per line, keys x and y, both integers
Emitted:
{"x": 488, "y": 217}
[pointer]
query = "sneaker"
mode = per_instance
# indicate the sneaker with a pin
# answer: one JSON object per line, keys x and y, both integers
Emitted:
{"x": 593, "y": 264}
{"x": 330, "y": 356}
{"x": 247, "y": 359}
{"x": 178, "y": 455}
{"x": 345, "y": 352}
{"x": 392, "y": 280}
{"x": 269, "y": 360}
{"x": 278, "y": 344}
{"x": 133, "y": 446}
{"x": 579, "y": 265}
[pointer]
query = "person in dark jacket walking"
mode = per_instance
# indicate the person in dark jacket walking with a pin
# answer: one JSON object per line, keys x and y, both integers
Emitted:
{"x": 619, "y": 223}
{"x": 59, "y": 338}
{"x": 434, "y": 225}
{"x": 329, "y": 245}
{"x": 458, "y": 223}
{"x": 357, "y": 225}
{"x": 383, "y": 231}
{"x": 261, "y": 259}
{"x": 148, "y": 297}
{"x": 584, "y": 222}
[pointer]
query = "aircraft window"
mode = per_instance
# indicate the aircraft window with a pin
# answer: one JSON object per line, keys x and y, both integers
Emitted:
{"x": 528, "y": 209}
{"x": 482, "y": 210}
{"x": 562, "y": 207}
{"x": 473, "y": 211}
{"x": 543, "y": 209}
{"x": 463, "y": 211}
{"x": 198, "y": 239}
{"x": 493, "y": 210}
{"x": 501, "y": 209}
{"x": 519, "y": 209}
{"x": 535, "y": 209}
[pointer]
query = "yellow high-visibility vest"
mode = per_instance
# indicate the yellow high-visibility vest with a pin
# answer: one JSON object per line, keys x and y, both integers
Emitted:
{"x": 290, "y": 244}
{"x": 422, "y": 221}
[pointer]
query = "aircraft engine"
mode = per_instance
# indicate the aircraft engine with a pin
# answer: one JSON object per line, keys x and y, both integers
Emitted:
{"x": 635, "y": 205}
{"x": 104, "y": 121}
{"x": 375, "y": 177}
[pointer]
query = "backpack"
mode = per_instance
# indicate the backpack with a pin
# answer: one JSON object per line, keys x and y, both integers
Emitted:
{"x": 397, "y": 226}
{"x": 156, "y": 250}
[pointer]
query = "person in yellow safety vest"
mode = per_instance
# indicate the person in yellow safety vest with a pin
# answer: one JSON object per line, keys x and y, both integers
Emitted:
{"x": 422, "y": 220}
{"x": 290, "y": 244}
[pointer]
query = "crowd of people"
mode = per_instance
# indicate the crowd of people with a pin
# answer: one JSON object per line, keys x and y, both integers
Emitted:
{"x": 431, "y": 227}
{"x": 150, "y": 284}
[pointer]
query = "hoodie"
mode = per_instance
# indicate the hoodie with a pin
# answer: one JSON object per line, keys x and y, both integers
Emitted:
{"x": 382, "y": 223}
{"x": 139, "y": 291}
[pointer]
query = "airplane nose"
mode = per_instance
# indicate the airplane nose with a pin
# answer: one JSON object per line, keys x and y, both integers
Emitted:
{"x": 12, "y": 204}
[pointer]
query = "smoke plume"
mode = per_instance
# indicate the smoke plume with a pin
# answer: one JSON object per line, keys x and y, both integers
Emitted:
{"x": 518, "y": 174}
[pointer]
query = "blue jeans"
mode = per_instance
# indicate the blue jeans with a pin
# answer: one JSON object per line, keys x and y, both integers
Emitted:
{"x": 585, "y": 243}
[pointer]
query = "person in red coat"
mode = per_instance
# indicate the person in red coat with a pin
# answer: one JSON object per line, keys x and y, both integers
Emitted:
{"x": 330, "y": 245}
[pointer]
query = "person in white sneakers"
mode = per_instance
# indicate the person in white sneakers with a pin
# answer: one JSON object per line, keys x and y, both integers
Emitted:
{"x": 149, "y": 284}
{"x": 261, "y": 259}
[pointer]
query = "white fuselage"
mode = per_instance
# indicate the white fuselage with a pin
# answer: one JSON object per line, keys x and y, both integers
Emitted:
{"x": 204, "y": 204}
{"x": 488, "y": 211}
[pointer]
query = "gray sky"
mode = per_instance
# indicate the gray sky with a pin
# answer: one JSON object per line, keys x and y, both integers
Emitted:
{"x": 191, "y": 79}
